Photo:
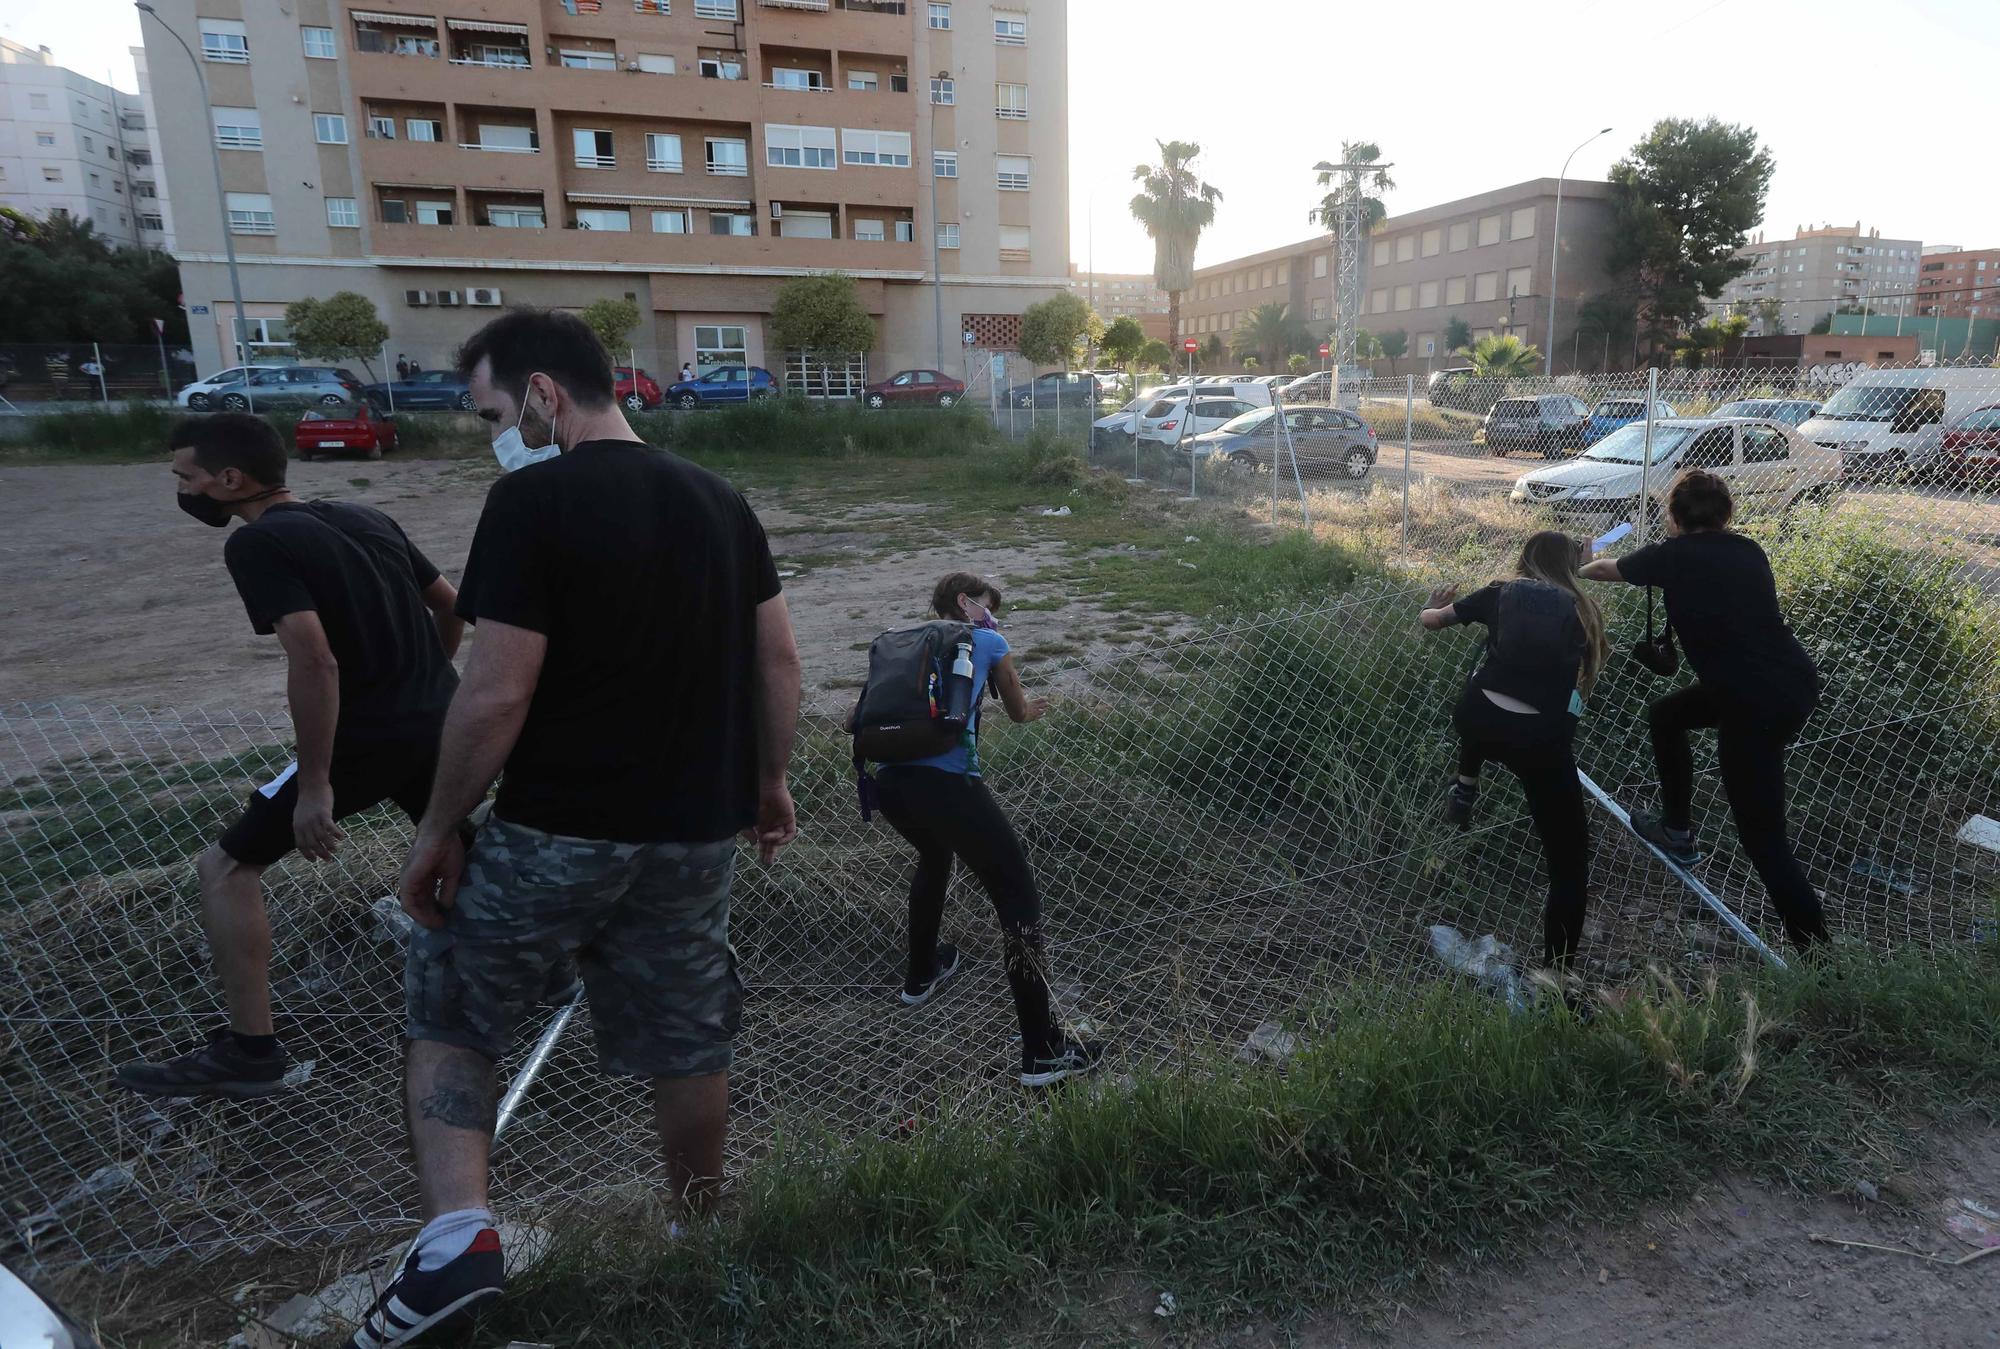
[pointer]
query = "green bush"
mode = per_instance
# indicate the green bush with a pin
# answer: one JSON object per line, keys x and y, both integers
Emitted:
{"x": 793, "y": 427}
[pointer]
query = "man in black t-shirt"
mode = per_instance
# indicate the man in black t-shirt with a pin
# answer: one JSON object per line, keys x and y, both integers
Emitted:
{"x": 635, "y": 676}
{"x": 368, "y": 629}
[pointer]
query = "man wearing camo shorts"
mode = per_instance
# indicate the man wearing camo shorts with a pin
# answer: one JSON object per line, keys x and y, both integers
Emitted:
{"x": 634, "y": 674}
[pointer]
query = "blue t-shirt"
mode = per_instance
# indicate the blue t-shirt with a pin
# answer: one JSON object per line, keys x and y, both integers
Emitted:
{"x": 988, "y": 649}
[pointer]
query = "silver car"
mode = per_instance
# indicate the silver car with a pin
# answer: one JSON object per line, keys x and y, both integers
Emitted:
{"x": 292, "y": 386}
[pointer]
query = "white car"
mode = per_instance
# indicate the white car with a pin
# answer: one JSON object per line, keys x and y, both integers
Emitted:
{"x": 200, "y": 395}
{"x": 1166, "y": 423}
{"x": 1768, "y": 466}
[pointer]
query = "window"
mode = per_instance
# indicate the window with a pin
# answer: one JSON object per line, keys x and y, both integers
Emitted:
{"x": 45, "y": 139}
{"x": 434, "y": 213}
{"x": 382, "y": 128}
{"x": 1454, "y": 290}
{"x": 865, "y": 81}
{"x": 944, "y": 163}
{"x": 319, "y": 43}
{"x": 806, "y": 225}
{"x": 1427, "y": 295}
{"x": 424, "y": 129}
{"x": 670, "y": 222}
{"x": 238, "y": 129}
{"x": 726, "y": 157}
{"x": 1319, "y": 265}
{"x": 1522, "y": 224}
{"x": 40, "y": 102}
{"x": 88, "y": 145}
{"x": 1406, "y": 248}
{"x": 941, "y": 19}
{"x": 1284, "y": 273}
{"x": 342, "y": 214}
{"x": 663, "y": 152}
{"x": 1012, "y": 172}
{"x": 732, "y": 223}
{"x": 585, "y": 59}
{"x": 723, "y": 344}
{"x": 517, "y": 139}
{"x": 1402, "y": 297}
{"x": 593, "y": 149}
{"x": 514, "y": 217}
{"x": 616, "y": 219}
{"x": 1761, "y": 445}
{"x": 1520, "y": 281}
{"x": 906, "y": 231}
{"x": 1433, "y": 242}
{"x": 1486, "y": 286}
{"x": 1461, "y": 237}
{"x": 789, "y": 77}
{"x": 899, "y": 83}
{"x": 250, "y": 213}
{"x": 394, "y": 211}
{"x": 223, "y": 40}
{"x": 888, "y": 148}
{"x": 799, "y": 147}
{"x": 330, "y": 128}
{"x": 51, "y": 175}
{"x": 1378, "y": 301}
{"x": 870, "y": 232}
{"x": 1381, "y": 258}
{"x": 1016, "y": 243}
{"x": 1269, "y": 275}
{"x": 1489, "y": 230}
{"x": 1010, "y": 27}
{"x": 721, "y": 68}
{"x": 652, "y": 63}
{"x": 947, "y": 234}
{"x": 149, "y": 221}
{"x": 715, "y": 9}
{"x": 1011, "y": 102}
{"x": 944, "y": 92}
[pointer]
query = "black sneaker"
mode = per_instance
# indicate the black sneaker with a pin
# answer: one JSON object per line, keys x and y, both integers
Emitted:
{"x": 419, "y": 1300}
{"x": 1678, "y": 844}
{"x": 1072, "y": 1058}
{"x": 219, "y": 1068}
{"x": 943, "y": 965}
{"x": 562, "y": 983}
{"x": 1458, "y": 804}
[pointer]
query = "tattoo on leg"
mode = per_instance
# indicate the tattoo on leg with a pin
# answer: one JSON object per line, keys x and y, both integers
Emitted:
{"x": 461, "y": 1094}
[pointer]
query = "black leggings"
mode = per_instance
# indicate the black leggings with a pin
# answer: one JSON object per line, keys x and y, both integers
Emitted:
{"x": 944, "y": 815}
{"x": 1540, "y": 750}
{"x": 1750, "y": 747}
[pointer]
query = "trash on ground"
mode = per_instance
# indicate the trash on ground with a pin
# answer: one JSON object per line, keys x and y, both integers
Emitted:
{"x": 1167, "y": 1305}
{"x": 1190, "y": 566}
{"x": 1269, "y": 1041}
{"x": 99, "y": 1184}
{"x": 1192, "y": 538}
{"x": 1487, "y": 959}
{"x": 1974, "y": 1224}
{"x": 1867, "y": 1190}
{"x": 1055, "y": 510}
{"x": 1981, "y": 831}
{"x": 784, "y": 574}
{"x": 1898, "y": 876}
{"x": 300, "y": 1073}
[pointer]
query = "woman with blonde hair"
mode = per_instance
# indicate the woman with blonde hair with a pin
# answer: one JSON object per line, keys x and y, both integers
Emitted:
{"x": 1545, "y": 645}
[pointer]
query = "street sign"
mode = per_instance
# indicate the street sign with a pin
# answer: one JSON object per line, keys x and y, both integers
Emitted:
{"x": 968, "y": 337}
{"x": 1190, "y": 346}
{"x": 159, "y": 327}
{"x": 1325, "y": 350}
{"x": 197, "y": 309}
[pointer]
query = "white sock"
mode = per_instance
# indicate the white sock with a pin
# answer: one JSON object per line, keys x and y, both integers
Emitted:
{"x": 446, "y": 1236}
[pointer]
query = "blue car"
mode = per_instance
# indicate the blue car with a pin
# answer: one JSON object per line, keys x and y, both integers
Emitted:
{"x": 425, "y": 389}
{"x": 1612, "y": 413}
{"x": 729, "y": 384}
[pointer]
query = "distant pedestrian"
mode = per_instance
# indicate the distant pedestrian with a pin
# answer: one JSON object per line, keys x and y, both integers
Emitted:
{"x": 415, "y": 369}
{"x": 402, "y": 367}
{"x": 687, "y": 373}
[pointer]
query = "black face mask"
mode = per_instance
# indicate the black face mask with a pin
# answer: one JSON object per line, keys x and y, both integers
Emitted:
{"x": 211, "y": 512}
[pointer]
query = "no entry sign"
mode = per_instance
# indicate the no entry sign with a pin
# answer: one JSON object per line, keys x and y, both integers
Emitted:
{"x": 1190, "y": 345}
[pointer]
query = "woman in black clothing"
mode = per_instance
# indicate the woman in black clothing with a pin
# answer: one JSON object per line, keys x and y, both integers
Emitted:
{"x": 1545, "y": 645}
{"x": 1756, "y": 686}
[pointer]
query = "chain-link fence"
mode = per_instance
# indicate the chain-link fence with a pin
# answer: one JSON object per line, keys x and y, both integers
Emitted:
{"x": 42, "y": 376}
{"x": 1225, "y": 825}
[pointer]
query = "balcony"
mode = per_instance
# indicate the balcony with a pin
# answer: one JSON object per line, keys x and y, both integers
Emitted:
{"x": 501, "y": 149}
{"x": 796, "y": 4}
{"x": 468, "y": 245}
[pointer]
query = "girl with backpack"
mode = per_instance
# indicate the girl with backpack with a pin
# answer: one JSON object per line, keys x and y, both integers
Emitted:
{"x": 941, "y": 805}
{"x": 1545, "y": 645}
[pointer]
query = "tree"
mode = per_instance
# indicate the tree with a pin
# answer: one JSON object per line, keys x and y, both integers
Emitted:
{"x": 612, "y": 321}
{"x": 1770, "y": 315}
{"x": 1174, "y": 206}
{"x": 1251, "y": 364}
{"x": 1367, "y": 346}
{"x": 1373, "y": 184}
{"x": 820, "y": 315}
{"x": 1297, "y": 364}
{"x": 1269, "y": 332}
{"x": 1683, "y": 201}
{"x": 1611, "y": 318}
{"x": 1395, "y": 345}
{"x": 1053, "y": 329}
{"x": 1457, "y": 333}
{"x": 1211, "y": 354}
{"x": 1822, "y": 325}
{"x": 61, "y": 282}
{"x": 1155, "y": 355}
{"x": 342, "y": 327}
{"x": 1505, "y": 357}
{"x": 1123, "y": 342}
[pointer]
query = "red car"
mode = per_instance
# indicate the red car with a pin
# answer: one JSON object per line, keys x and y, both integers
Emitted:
{"x": 356, "y": 430}
{"x": 1972, "y": 448}
{"x": 637, "y": 390}
{"x": 929, "y": 388}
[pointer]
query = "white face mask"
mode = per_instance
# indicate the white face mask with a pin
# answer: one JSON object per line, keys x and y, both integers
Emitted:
{"x": 513, "y": 452}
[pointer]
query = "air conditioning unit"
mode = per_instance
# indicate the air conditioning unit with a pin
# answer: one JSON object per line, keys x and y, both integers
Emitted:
{"x": 777, "y": 210}
{"x": 447, "y": 299}
{"x": 482, "y": 295}
{"x": 416, "y": 299}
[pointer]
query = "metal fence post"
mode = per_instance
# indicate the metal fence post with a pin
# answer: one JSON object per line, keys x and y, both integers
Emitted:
{"x": 166, "y": 375}
{"x": 1409, "y": 432}
{"x": 97, "y": 363}
{"x": 1645, "y": 504}
{"x": 389, "y": 379}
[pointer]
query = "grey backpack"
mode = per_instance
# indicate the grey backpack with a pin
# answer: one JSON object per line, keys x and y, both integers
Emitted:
{"x": 903, "y": 712}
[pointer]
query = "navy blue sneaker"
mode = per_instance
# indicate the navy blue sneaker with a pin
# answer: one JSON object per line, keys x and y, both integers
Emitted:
{"x": 1678, "y": 844}
{"x": 421, "y": 1300}
{"x": 219, "y": 1068}
{"x": 943, "y": 966}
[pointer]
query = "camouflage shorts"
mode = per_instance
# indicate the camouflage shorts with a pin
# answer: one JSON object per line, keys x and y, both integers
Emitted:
{"x": 648, "y": 926}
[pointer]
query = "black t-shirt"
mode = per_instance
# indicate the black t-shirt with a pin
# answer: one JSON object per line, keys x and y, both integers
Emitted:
{"x": 354, "y": 567}
{"x": 1723, "y": 603}
{"x": 644, "y": 572}
{"x": 1535, "y": 642}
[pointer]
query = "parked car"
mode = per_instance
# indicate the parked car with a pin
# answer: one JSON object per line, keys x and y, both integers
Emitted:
{"x": 1792, "y": 412}
{"x": 1463, "y": 388}
{"x": 1971, "y": 449}
{"x": 726, "y": 384}
{"x": 1116, "y": 428}
{"x": 200, "y": 395}
{"x": 914, "y": 388}
{"x": 1621, "y": 410}
{"x": 1076, "y": 388}
{"x": 1323, "y": 438}
{"x": 1163, "y": 422}
{"x": 1884, "y": 421}
{"x": 1551, "y": 423}
{"x": 636, "y": 390}
{"x": 1768, "y": 466}
{"x": 360, "y": 429}
{"x": 425, "y": 389}
{"x": 289, "y": 387}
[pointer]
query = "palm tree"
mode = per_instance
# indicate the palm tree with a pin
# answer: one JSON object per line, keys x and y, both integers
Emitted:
{"x": 1174, "y": 207}
{"x": 1505, "y": 357}
{"x": 1372, "y": 185}
{"x": 1269, "y": 332}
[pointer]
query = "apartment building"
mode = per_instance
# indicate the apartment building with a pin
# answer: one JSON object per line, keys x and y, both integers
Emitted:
{"x": 447, "y": 156}
{"x": 1961, "y": 283}
{"x": 65, "y": 145}
{"x": 1117, "y": 295}
{"x": 144, "y": 160}
{"x": 1484, "y": 259}
{"x": 1821, "y": 270}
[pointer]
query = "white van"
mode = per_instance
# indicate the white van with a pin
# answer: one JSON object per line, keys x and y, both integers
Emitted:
{"x": 1886, "y": 420}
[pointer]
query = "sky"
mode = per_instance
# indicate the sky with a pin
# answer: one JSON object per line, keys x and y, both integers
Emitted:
{"x": 1866, "y": 105}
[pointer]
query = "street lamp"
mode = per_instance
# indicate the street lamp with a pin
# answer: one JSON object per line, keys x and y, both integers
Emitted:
{"x": 1555, "y": 259}
{"x": 221, "y": 197}
{"x": 937, "y": 277}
